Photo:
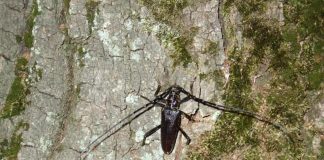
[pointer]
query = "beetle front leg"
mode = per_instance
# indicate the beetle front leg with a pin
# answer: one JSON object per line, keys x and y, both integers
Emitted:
{"x": 185, "y": 100}
{"x": 159, "y": 99}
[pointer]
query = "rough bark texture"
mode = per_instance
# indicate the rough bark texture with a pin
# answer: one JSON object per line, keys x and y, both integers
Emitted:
{"x": 88, "y": 64}
{"x": 70, "y": 69}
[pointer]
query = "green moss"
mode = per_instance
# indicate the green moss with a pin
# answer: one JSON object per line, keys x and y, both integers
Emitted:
{"x": 165, "y": 11}
{"x": 246, "y": 7}
{"x": 9, "y": 148}
{"x": 81, "y": 55}
{"x": 62, "y": 20}
{"x": 216, "y": 76}
{"x": 265, "y": 34}
{"x": 253, "y": 154}
{"x": 28, "y": 37}
{"x": 181, "y": 56}
{"x": 66, "y": 4}
{"x": 236, "y": 128}
{"x": 238, "y": 94}
{"x": 169, "y": 13}
{"x": 212, "y": 48}
{"x": 321, "y": 148}
{"x": 91, "y": 6}
{"x": 78, "y": 90}
{"x": 15, "y": 100}
{"x": 179, "y": 53}
{"x": 293, "y": 57}
{"x": 239, "y": 86}
{"x": 14, "y": 104}
{"x": 18, "y": 39}
{"x": 316, "y": 76}
{"x": 21, "y": 65}
{"x": 203, "y": 76}
{"x": 39, "y": 73}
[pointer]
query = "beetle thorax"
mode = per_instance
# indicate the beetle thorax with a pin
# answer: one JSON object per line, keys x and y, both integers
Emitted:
{"x": 173, "y": 99}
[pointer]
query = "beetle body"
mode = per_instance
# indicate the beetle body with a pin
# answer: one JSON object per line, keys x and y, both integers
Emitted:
{"x": 170, "y": 122}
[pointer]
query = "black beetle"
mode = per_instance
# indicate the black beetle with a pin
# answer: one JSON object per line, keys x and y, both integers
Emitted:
{"x": 170, "y": 126}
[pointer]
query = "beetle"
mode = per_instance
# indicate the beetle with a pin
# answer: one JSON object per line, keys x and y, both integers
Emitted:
{"x": 170, "y": 102}
{"x": 170, "y": 121}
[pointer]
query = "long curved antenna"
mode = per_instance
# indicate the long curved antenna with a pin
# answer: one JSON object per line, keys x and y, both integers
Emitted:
{"x": 236, "y": 110}
{"x": 109, "y": 132}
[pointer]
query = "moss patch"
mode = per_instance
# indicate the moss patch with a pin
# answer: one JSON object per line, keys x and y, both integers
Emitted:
{"x": 16, "y": 98}
{"x": 290, "y": 61}
{"x": 28, "y": 37}
{"x": 81, "y": 57}
{"x": 14, "y": 104}
{"x": 62, "y": 20}
{"x": 78, "y": 90}
{"x": 21, "y": 66}
{"x": 216, "y": 76}
{"x": 66, "y": 4}
{"x": 165, "y": 11}
{"x": 91, "y": 6}
{"x": 9, "y": 148}
{"x": 18, "y": 39}
{"x": 321, "y": 155}
{"x": 181, "y": 44}
{"x": 179, "y": 37}
{"x": 211, "y": 48}
{"x": 181, "y": 55}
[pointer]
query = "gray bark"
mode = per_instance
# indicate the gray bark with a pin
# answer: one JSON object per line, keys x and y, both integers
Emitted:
{"x": 90, "y": 81}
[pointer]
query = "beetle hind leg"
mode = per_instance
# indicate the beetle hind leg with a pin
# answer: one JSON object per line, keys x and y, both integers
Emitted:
{"x": 185, "y": 134}
{"x": 149, "y": 133}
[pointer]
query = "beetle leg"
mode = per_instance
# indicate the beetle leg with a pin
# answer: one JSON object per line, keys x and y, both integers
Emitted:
{"x": 185, "y": 100}
{"x": 164, "y": 94}
{"x": 149, "y": 133}
{"x": 189, "y": 117}
{"x": 157, "y": 90}
{"x": 185, "y": 134}
{"x": 159, "y": 99}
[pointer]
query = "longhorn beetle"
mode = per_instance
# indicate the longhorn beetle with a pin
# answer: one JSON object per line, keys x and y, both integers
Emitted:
{"x": 170, "y": 102}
